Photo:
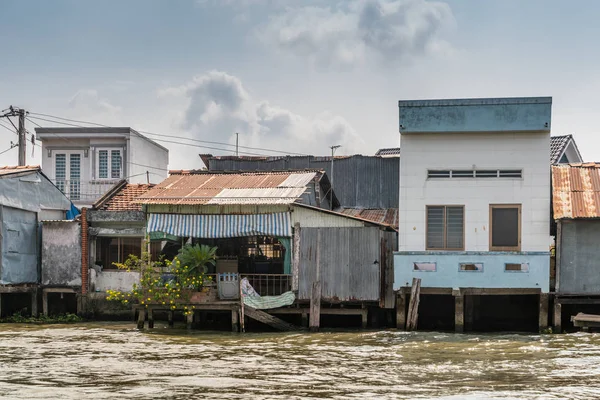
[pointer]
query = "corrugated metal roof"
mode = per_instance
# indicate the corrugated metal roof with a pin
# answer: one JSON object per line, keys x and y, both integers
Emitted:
{"x": 359, "y": 181}
{"x": 576, "y": 190}
{"x": 8, "y": 170}
{"x": 389, "y": 152}
{"x": 189, "y": 187}
{"x": 387, "y": 216}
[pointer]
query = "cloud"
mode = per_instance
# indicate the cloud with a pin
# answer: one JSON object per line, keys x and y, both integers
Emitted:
{"x": 217, "y": 105}
{"x": 88, "y": 99}
{"x": 351, "y": 33}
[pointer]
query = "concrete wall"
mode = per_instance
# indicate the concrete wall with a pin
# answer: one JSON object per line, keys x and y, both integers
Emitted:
{"x": 61, "y": 253}
{"x": 577, "y": 257}
{"x": 144, "y": 156}
{"x": 113, "y": 280}
{"x": 448, "y": 275}
{"x": 442, "y": 151}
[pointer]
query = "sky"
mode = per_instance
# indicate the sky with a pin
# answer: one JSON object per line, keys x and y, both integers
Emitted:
{"x": 290, "y": 76}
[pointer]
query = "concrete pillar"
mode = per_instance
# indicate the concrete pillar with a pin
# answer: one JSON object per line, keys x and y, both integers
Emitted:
{"x": 543, "y": 315}
{"x": 557, "y": 320}
{"x": 400, "y": 310}
{"x": 459, "y": 312}
{"x": 469, "y": 312}
{"x": 364, "y": 318}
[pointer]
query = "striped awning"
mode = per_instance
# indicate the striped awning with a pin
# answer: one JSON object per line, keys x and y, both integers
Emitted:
{"x": 221, "y": 226}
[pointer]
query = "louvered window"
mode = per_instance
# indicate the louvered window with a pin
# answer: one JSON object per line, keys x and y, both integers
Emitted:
{"x": 445, "y": 227}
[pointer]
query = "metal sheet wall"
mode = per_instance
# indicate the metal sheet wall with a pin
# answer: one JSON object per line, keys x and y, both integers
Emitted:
{"x": 359, "y": 181}
{"x": 19, "y": 246}
{"x": 345, "y": 260}
{"x": 577, "y": 271}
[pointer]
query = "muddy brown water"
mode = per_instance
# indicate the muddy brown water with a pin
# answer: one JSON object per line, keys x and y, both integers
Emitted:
{"x": 112, "y": 361}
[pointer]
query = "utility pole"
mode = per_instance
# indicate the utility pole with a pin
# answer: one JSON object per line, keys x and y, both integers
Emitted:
{"x": 237, "y": 137}
{"x": 333, "y": 149}
{"x": 22, "y": 137}
{"x": 21, "y": 131}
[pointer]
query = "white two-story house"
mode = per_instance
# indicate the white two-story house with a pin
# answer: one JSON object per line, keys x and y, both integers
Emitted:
{"x": 474, "y": 212}
{"x": 86, "y": 162}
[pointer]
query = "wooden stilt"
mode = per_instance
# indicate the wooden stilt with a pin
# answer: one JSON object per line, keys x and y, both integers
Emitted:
{"x": 34, "y": 303}
{"x": 141, "y": 318}
{"x": 45, "y": 303}
{"x": 413, "y": 305}
{"x": 543, "y": 315}
{"x": 305, "y": 320}
{"x": 315, "y": 307}
{"x": 235, "y": 318}
{"x": 170, "y": 318}
{"x": 150, "y": 318}
{"x": 190, "y": 320}
{"x": 401, "y": 310}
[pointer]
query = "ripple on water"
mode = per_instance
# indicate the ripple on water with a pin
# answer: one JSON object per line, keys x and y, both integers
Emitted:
{"x": 116, "y": 361}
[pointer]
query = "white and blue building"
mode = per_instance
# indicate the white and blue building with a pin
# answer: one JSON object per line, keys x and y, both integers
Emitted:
{"x": 474, "y": 201}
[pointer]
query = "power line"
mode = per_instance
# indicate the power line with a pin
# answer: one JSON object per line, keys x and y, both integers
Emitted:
{"x": 163, "y": 135}
{"x": 162, "y": 140}
{"x": 10, "y": 148}
{"x": 8, "y": 129}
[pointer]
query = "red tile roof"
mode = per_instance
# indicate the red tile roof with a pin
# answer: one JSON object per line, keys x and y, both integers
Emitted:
{"x": 14, "y": 169}
{"x": 122, "y": 196}
{"x": 576, "y": 190}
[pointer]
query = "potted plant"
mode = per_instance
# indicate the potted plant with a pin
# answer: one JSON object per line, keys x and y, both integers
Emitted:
{"x": 192, "y": 264}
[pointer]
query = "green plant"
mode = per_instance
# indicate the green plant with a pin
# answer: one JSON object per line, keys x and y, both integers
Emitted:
{"x": 197, "y": 258}
{"x": 18, "y": 318}
{"x": 163, "y": 282}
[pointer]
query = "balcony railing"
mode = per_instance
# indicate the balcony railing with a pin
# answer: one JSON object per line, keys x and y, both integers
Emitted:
{"x": 265, "y": 284}
{"x": 84, "y": 191}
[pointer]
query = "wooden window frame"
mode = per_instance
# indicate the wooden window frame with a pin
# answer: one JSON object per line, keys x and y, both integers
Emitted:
{"x": 490, "y": 228}
{"x": 445, "y": 227}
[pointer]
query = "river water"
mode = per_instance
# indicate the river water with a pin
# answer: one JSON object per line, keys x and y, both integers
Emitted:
{"x": 111, "y": 361}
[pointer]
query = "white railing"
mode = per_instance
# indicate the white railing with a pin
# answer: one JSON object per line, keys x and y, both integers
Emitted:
{"x": 84, "y": 191}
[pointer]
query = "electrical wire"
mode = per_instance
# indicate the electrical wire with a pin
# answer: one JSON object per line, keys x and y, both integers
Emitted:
{"x": 8, "y": 129}
{"x": 167, "y": 136}
{"x": 162, "y": 140}
{"x": 10, "y": 148}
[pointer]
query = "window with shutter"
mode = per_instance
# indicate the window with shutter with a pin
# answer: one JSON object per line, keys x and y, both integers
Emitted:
{"x": 445, "y": 227}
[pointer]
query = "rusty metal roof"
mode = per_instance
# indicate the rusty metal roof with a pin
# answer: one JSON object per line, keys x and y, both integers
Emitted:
{"x": 387, "y": 216}
{"x": 200, "y": 187}
{"x": 576, "y": 190}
